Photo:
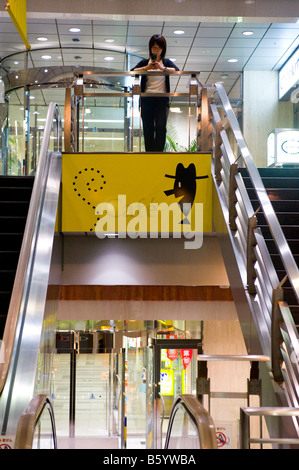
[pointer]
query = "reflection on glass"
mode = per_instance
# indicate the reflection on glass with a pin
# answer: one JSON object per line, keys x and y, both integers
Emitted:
{"x": 43, "y": 436}
{"x": 184, "y": 434}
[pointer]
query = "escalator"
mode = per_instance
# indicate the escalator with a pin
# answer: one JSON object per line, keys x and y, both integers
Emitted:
{"x": 28, "y": 214}
{"x": 190, "y": 425}
{"x": 15, "y": 194}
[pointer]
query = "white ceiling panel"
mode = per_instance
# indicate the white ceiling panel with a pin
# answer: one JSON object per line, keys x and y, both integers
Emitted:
{"x": 204, "y": 45}
{"x": 242, "y": 42}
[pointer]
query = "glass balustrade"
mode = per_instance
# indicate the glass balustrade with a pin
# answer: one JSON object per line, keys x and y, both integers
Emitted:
{"x": 104, "y": 118}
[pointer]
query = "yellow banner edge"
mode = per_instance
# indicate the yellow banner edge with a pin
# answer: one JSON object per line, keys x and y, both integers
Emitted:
{"x": 23, "y": 37}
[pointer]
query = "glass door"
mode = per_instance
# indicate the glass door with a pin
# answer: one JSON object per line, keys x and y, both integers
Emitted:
{"x": 176, "y": 371}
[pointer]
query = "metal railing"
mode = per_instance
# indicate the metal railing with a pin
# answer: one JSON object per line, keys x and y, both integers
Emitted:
{"x": 203, "y": 433}
{"x": 246, "y": 413}
{"x": 31, "y": 431}
{"x": 22, "y": 334}
{"x": 260, "y": 280}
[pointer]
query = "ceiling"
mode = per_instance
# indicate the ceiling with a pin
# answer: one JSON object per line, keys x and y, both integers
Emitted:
{"x": 205, "y": 47}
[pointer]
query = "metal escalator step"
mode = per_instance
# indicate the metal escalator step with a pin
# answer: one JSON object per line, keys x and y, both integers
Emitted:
{"x": 15, "y": 193}
{"x": 7, "y": 277}
{"x": 17, "y": 180}
{"x": 14, "y": 208}
{"x": 2, "y": 324}
{"x": 11, "y": 240}
{"x": 12, "y": 224}
{"x": 9, "y": 259}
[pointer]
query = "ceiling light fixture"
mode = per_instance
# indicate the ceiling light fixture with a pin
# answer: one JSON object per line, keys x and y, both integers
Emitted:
{"x": 42, "y": 39}
{"x": 247, "y": 33}
{"x": 109, "y": 58}
{"x": 75, "y": 39}
{"x": 109, "y": 40}
{"x": 232, "y": 60}
{"x": 179, "y": 31}
{"x": 46, "y": 57}
{"x": 75, "y": 30}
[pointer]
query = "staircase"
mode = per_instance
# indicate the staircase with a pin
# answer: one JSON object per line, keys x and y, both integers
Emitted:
{"x": 282, "y": 185}
{"x": 15, "y": 194}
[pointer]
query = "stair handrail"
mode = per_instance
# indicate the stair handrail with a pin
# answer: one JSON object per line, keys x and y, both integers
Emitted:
{"x": 276, "y": 328}
{"x": 276, "y": 230}
{"x": 28, "y": 238}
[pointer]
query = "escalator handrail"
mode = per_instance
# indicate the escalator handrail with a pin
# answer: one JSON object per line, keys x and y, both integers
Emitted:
{"x": 270, "y": 215}
{"x": 28, "y": 239}
{"x": 199, "y": 416}
{"x": 29, "y": 420}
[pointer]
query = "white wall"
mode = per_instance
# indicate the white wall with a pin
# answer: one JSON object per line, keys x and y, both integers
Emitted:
{"x": 91, "y": 261}
{"x": 262, "y": 112}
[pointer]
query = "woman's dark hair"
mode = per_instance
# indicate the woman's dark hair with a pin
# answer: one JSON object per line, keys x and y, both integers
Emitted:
{"x": 161, "y": 41}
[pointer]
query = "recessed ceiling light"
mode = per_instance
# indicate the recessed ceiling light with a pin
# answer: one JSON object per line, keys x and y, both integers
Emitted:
{"x": 17, "y": 76}
{"x": 46, "y": 70}
{"x": 16, "y": 62}
{"x": 109, "y": 40}
{"x": 46, "y": 57}
{"x": 224, "y": 76}
{"x": 42, "y": 39}
{"x": 75, "y": 30}
{"x": 109, "y": 58}
{"x": 32, "y": 97}
{"x": 232, "y": 60}
{"x": 247, "y": 33}
{"x": 179, "y": 31}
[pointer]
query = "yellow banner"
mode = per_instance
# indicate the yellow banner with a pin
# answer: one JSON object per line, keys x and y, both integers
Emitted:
{"x": 137, "y": 194}
{"x": 17, "y": 11}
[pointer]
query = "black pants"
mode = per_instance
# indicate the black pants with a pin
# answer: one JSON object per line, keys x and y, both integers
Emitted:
{"x": 154, "y": 114}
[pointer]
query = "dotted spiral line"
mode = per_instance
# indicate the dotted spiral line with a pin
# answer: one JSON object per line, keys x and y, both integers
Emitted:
{"x": 79, "y": 191}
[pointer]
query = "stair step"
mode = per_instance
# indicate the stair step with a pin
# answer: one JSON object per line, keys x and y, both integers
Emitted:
{"x": 9, "y": 259}
{"x": 275, "y": 183}
{"x": 277, "y": 261}
{"x": 293, "y": 244}
{"x": 15, "y": 193}
{"x": 279, "y": 206}
{"x": 7, "y": 277}
{"x": 14, "y": 208}
{"x": 285, "y": 194}
{"x": 285, "y": 218}
{"x": 291, "y": 232}
{"x": 274, "y": 172}
{"x": 11, "y": 241}
{"x": 17, "y": 181}
{"x": 4, "y": 300}
{"x": 12, "y": 224}
{"x": 2, "y": 324}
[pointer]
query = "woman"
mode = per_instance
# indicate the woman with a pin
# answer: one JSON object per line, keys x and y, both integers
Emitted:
{"x": 154, "y": 110}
